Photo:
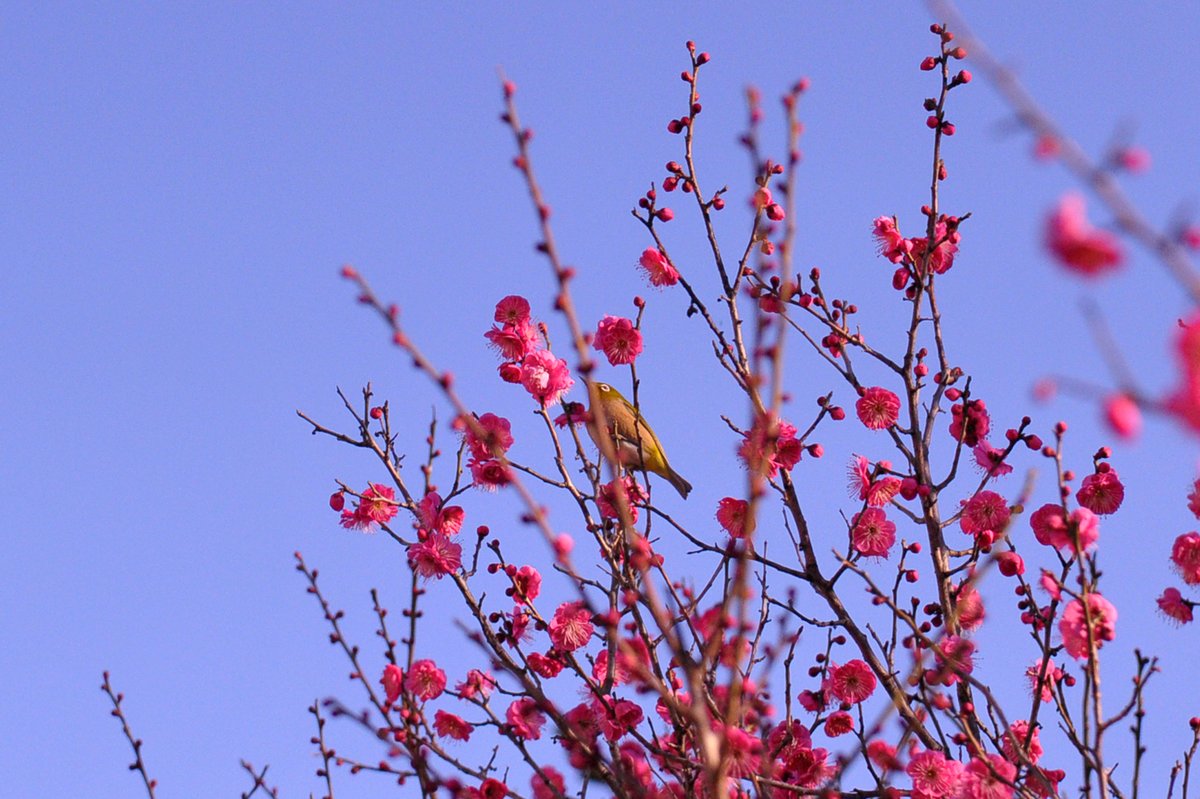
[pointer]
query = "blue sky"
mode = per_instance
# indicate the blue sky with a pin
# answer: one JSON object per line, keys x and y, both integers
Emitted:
{"x": 183, "y": 183}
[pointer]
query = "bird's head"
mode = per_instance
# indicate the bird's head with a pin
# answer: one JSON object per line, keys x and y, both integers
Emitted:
{"x": 604, "y": 393}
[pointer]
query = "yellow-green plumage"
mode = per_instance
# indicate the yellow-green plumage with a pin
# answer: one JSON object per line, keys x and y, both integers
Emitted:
{"x": 627, "y": 430}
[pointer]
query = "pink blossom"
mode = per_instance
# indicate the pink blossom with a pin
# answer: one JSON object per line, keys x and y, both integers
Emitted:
{"x": 970, "y": 607}
{"x": 547, "y": 665}
{"x": 548, "y": 785}
{"x": 573, "y": 413}
{"x": 1079, "y": 532}
{"x": 618, "y": 718}
{"x": 633, "y": 660}
{"x": 988, "y": 779}
{"x": 985, "y": 514}
{"x": 878, "y": 408}
{"x": 512, "y": 310}
{"x": 990, "y": 459}
{"x": 525, "y": 719}
{"x": 731, "y": 515}
{"x": 1185, "y": 556}
{"x": 766, "y": 451}
{"x": 658, "y": 269}
{"x": 1074, "y": 627}
{"x": 1174, "y": 606}
{"x": 448, "y": 725}
{"x": 527, "y": 583}
{"x": 571, "y": 626}
{"x": 1051, "y": 585}
{"x": 436, "y": 556}
{"x": 839, "y": 723}
{"x": 1102, "y": 492}
{"x": 392, "y": 680}
{"x": 377, "y": 505}
{"x": 1185, "y": 401}
{"x": 872, "y": 534}
{"x": 489, "y": 475}
{"x": 1086, "y": 526}
{"x": 852, "y": 682}
{"x": 953, "y": 656}
{"x": 545, "y": 377}
{"x": 942, "y": 257}
{"x": 513, "y": 341}
{"x": 618, "y": 339}
{"x": 437, "y": 517}
{"x": 425, "y": 680}
{"x": 1019, "y": 731}
{"x": 786, "y": 738}
{"x": 1076, "y": 244}
{"x": 808, "y": 768}
{"x": 493, "y": 439}
{"x": 875, "y": 492}
{"x": 892, "y": 245}
{"x": 1049, "y": 525}
{"x": 609, "y": 503}
{"x": 969, "y": 422}
{"x": 933, "y": 775}
{"x": 1045, "y": 681}
{"x": 745, "y": 751}
{"x": 1123, "y": 415}
{"x": 883, "y": 755}
{"x": 518, "y": 626}
{"x": 1194, "y": 499}
{"x": 477, "y": 684}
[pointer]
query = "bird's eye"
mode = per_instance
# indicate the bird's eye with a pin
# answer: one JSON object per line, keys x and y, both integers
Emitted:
{"x": 604, "y": 387}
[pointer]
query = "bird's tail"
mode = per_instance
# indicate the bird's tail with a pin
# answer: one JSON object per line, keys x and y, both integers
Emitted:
{"x": 677, "y": 482}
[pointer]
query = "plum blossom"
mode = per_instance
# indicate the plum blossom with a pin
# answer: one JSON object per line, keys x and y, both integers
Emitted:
{"x": 892, "y": 245}
{"x": 489, "y": 475}
{"x": 1074, "y": 624}
{"x": 618, "y": 339}
{"x": 1102, "y": 493}
{"x": 376, "y": 506}
{"x": 985, "y": 516}
{"x": 852, "y": 682}
{"x": 1076, "y": 244}
{"x": 1019, "y": 731}
{"x": 448, "y": 725}
{"x": 988, "y": 779}
{"x": 436, "y": 517}
{"x": 548, "y": 785}
{"x": 493, "y": 439}
{"x": 435, "y": 557}
{"x": 392, "y": 681}
{"x": 545, "y": 377}
{"x": 970, "y": 422}
{"x": 990, "y": 459}
{"x": 839, "y": 723}
{"x": 872, "y": 534}
{"x": 1185, "y": 556}
{"x": 1123, "y": 415}
{"x": 425, "y": 680}
{"x": 757, "y": 444}
{"x": 1174, "y": 606}
{"x": 878, "y": 408}
{"x": 658, "y": 269}
{"x": 731, "y": 515}
{"x": 525, "y": 719}
{"x": 571, "y": 626}
{"x": 933, "y": 775}
{"x": 876, "y": 492}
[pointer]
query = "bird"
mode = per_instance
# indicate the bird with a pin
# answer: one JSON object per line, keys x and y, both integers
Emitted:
{"x": 627, "y": 429}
